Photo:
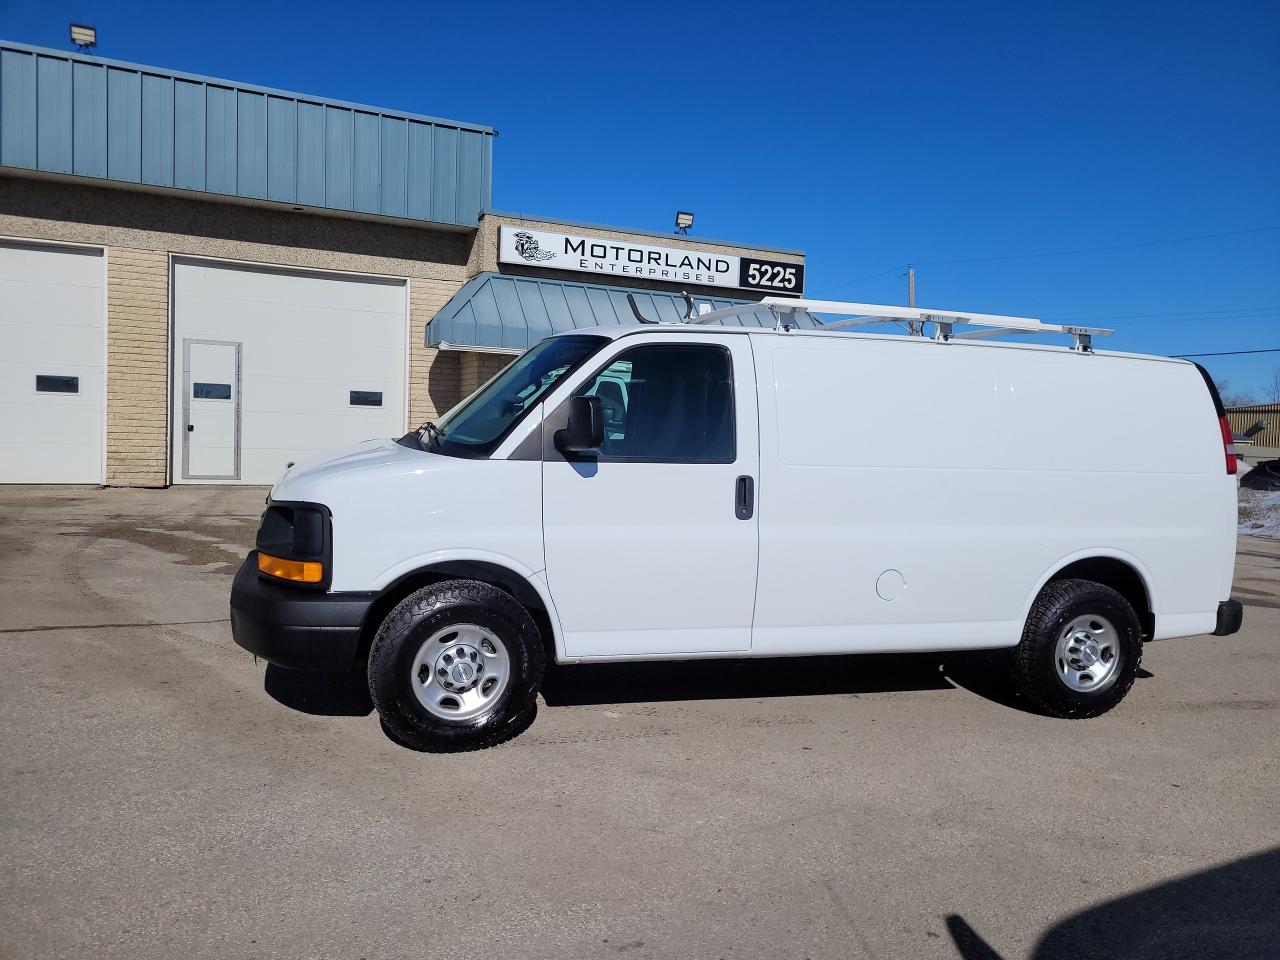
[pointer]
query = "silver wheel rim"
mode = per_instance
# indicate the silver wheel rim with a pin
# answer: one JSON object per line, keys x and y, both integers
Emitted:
{"x": 1088, "y": 654}
{"x": 460, "y": 671}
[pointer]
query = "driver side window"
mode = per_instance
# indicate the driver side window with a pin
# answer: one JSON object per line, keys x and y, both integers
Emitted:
{"x": 667, "y": 403}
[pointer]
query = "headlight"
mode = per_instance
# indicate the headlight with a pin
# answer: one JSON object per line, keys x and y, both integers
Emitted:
{"x": 294, "y": 543}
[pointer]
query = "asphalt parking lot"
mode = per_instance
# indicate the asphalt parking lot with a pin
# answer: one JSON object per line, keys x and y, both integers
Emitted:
{"x": 163, "y": 795}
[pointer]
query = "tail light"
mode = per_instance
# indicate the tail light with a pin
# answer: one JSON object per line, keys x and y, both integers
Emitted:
{"x": 1224, "y": 425}
{"x": 1228, "y": 444}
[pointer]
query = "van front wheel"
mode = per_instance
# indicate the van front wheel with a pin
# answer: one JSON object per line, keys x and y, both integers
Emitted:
{"x": 456, "y": 666}
{"x": 1080, "y": 649}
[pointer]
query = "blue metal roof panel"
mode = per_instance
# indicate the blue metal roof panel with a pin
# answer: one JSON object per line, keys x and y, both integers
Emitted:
{"x": 89, "y": 116}
{"x": 188, "y": 135}
{"x": 124, "y": 126}
{"x": 339, "y": 136}
{"x": 311, "y": 154}
{"x": 71, "y": 114}
{"x": 53, "y": 121}
{"x": 17, "y": 109}
{"x": 445, "y": 162}
{"x": 157, "y": 130}
{"x": 496, "y": 310}
{"x": 251, "y": 144}
{"x": 282, "y": 149}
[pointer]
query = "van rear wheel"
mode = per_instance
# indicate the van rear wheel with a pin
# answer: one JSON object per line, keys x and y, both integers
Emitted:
{"x": 1080, "y": 649}
{"x": 456, "y": 666}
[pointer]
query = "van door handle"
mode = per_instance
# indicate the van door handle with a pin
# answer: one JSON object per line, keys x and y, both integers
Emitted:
{"x": 745, "y": 499}
{"x": 190, "y": 427}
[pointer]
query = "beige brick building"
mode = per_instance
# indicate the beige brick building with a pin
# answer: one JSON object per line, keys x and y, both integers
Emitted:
{"x": 205, "y": 317}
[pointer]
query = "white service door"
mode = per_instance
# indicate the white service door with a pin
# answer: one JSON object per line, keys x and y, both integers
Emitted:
{"x": 322, "y": 360}
{"x": 212, "y": 374}
{"x": 645, "y": 551}
{"x": 51, "y": 360}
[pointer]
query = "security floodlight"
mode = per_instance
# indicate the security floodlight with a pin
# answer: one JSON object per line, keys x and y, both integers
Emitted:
{"x": 684, "y": 220}
{"x": 84, "y": 37}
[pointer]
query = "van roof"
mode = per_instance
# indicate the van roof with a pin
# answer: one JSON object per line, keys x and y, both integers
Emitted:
{"x": 614, "y": 332}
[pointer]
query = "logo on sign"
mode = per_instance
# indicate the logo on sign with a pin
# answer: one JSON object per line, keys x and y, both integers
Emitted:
{"x": 527, "y": 246}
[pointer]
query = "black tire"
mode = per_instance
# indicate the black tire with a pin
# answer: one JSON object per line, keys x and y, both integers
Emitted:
{"x": 412, "y": 622}
{"x": 1035, "y": 666}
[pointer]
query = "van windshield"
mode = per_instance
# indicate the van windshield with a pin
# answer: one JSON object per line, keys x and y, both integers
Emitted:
{"x": 479, "y": 424}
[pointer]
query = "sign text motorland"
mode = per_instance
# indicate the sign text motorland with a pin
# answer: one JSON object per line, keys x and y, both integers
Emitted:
{"x": 582, "y": 254}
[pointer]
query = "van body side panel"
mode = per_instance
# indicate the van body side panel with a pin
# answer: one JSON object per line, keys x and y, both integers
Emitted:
{"x": 914, "y": 493}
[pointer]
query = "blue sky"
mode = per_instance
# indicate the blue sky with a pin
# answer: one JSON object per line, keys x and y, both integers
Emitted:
{"x": 968, "y": 139}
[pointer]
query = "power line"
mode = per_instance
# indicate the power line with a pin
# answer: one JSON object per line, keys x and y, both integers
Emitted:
{"x": 1121, "y": 246}
{"x": 1062, "y": 253}
{"x": 1262, "y": 317}
{"x": 1142, "y": 323}
{"x": 882, "y": 273}
{"x": 1193, "y": 314}
{"x": 1225, "y": 353}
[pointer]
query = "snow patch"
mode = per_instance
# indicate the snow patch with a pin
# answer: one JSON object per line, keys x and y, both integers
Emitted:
{"x": 1260, "y": 513}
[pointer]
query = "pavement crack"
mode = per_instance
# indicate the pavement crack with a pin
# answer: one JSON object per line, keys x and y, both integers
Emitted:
{"x": 847, "y": 915}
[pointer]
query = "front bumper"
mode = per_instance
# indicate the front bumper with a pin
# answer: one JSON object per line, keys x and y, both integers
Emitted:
{"x": 1230, "y": 617}
{"x": 290, "y": 627}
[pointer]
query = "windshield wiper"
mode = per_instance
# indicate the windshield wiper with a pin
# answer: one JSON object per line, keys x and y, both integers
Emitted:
{"x": 432, "y": 432}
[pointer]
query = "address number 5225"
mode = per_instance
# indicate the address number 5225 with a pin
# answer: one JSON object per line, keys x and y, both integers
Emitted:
{"x": 776, "y": 277}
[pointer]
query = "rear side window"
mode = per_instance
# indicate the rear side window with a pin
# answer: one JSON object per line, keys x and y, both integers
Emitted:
{"x": 667, "y": 403}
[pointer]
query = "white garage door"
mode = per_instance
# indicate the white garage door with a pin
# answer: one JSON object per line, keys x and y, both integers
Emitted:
{"x": 271, "y": 365}
{"x": 51, "y": 388}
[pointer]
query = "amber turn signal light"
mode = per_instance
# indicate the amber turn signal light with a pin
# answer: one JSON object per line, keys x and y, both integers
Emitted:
{"x": 301, "y": 571}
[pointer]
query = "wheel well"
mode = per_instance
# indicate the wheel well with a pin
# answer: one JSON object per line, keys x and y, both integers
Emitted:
{"x": 490, "y": 573}
{"x": 1120, "y": 577}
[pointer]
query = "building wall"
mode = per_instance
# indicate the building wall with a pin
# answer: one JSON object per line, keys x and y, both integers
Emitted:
{"x": 435, "y": 382}
{"x": 140, "y": 230}
{"x": 137, "y": 367}
{"x": 33, "y": 206}
{"x": 477, "y": 369}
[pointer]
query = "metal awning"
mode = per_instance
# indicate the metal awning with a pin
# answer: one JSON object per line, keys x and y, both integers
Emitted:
{"x": 494, "y": 312}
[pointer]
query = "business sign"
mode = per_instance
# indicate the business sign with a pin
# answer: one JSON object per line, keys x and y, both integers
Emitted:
{"x": 616, "y": 258}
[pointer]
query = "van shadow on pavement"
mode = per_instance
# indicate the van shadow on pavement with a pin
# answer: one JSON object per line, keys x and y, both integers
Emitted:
{"x": 658, "y": 681}
{"x": 1223, "y": 913}
{"x": 318, "y": 693}
{"x": 339, "y": 695}
{"x": 981, "y": 673}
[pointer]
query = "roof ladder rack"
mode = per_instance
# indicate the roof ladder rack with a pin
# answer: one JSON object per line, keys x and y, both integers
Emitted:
{"x": 944, "y": 321}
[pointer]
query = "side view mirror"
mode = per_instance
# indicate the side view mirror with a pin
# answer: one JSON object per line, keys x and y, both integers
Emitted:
{"x": 585, "y": 430}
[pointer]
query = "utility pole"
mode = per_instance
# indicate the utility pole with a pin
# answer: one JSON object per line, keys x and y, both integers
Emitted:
{"x": 913, "y": 326}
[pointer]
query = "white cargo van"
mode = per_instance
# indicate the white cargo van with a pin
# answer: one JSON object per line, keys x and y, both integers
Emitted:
{"x": 691, "y": 490}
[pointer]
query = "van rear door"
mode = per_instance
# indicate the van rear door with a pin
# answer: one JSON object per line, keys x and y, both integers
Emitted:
{"x": 651, "y": 543}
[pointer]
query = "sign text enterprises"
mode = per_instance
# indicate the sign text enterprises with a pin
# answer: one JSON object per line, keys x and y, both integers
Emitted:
{"x": 567, "y": 251}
